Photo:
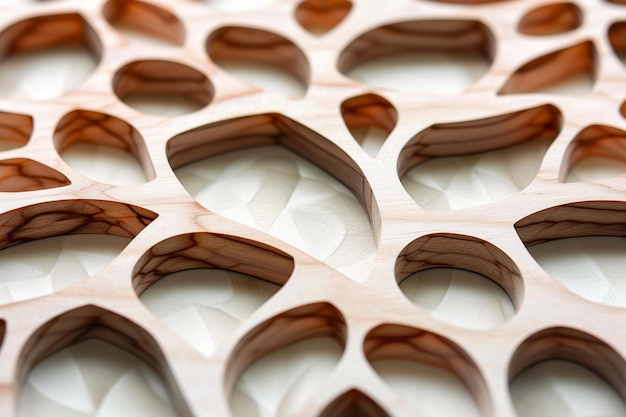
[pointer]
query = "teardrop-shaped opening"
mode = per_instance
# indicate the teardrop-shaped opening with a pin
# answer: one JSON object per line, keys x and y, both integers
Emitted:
{"x": 310, "y": 338}
{"x": 434, "y": 56}
{"x": 568, "y": 71}
{"x": 22, "y": 174}
{"x": 47, "y": 56}
{"x": 261, "y": 58}
{"x": 491, "y": 278}
{"x": 597, "y": 152}
{"x": 426, "y": 377}
{"x": 103, "y": 148}
{"x": 451, "y": 165}
{"x": 370, "y": 118}
{"x": 551, "y": 19}
{"x": 353, "y": 403}
{"x": 205, "y": 306}
{"x": 594, "y": 372}
{"x": 321, "y": 16}
{"x": 274, "y": 184}
{"x": 15, "y": 130}
{"x": 146, "y": 19}
{"x": 74, "y": 330}
{"x": 162, "y": 88}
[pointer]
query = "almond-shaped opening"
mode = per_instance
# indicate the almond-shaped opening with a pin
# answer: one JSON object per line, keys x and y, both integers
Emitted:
{"x": 551, "y": 19}
{"x": 353, "y": 403}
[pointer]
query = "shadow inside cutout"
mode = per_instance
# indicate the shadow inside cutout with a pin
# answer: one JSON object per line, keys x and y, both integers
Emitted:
{"x": 15, "y": 130}
{"x": 353, "y": 403}
{"x": 261, "y": 58}
{"x": 46, "y": 56}
{"x": 551, "y": 19}
{"x": 597, "y": 152}
{"x": 425, "y": 370}
{"x": 137, "y": 16}
{"x": 580, "y": 351}
{"x": 441, "y": 163}
{"x": 321, "y": 16}
{"x": 435, "y": 56}
{"x": 370, "y": 119}
{"x": 83, "y": 324}
{"x": 552, "y": 72}
{"x": 304, "y": 343}
{"x": 120, "y": 148}
{"x": 162, "y": 88}
{"x": 461, "y": 253}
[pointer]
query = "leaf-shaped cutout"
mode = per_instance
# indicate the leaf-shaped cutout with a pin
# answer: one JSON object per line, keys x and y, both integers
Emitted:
{"x": 568, "y": 71}
{"x": 459, "y": 297}
{"x": 205, "y": 306}
{"x": 261, "y": 58}
{"x": 144, "y": 18}
{"x": 280, "y": 362}
{"x": 103, "y": 148}
{"x": 272, "y": 189}
{"x": 551, "y": 19}
{"x": 93, "y": 378}
{"x": 419, "y": 270}
{"x": 22, "y": 174}
{"x": 370, "y": 119}
{"x": 427, "y": 370}
{"x": 47, "y": 265}
{"x": 15, "y": 130}
{"x": 353, "y": 403}
{"x": 588, "y": 266}
{"x": 435, "y": 56}
{"x": 47, "y": 56}
{"x": 437, "y": 169}
{"x": 320, "y": 16}
{"x": 83, "y": 324}
{"x": 597, "y": 152}
{"x": 162, "y": 88}
{"x": 596, "y": 371}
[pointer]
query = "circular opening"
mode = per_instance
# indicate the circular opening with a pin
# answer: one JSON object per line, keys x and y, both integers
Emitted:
{"x": 162, "y": 88}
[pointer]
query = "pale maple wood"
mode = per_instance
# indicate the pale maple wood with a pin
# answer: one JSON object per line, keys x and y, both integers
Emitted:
{"x": 371, "y": 320}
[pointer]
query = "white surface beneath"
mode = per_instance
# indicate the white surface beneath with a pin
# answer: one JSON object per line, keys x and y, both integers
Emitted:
{"x": 288, "y": 197}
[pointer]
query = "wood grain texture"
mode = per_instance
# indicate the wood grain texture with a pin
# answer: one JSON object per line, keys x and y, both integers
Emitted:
{"x": 528, "y": 44}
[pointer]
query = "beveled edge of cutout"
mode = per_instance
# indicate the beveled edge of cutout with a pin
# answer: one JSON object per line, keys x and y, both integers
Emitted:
{"x": 147, "y": 18}
{"x": 441, "y": 35}
{"x": 251, "y": 44}
{"x": 321, "y": 319}
{"x": 274, "y": 129}
{"x": 446, "y": 250}
{"x": 353, "y": 403}
{"x": 571, "y": 345}
{"x": 158, "y": 76}
{"x": 92, "y": 127}
{"x": 399, "y": 342}
{"x": 594, "y": 141}
{"x": 480, "y": 135}
{"x": 551, "y": 68}
{"x": 551, "y": 19}
{"x": 16, "y": 128}
{"x": 579, "y": 219}
{"x": 63, "y": 217}
{"x": 321, "y": 16}
{"x": 23, "y": 174}
{"x": 94, "y": 322}
{"x": 211, "y": 250}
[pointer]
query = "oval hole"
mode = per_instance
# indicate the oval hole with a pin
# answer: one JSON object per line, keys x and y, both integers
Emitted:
{"x": 44, "y": 266}
{"x": 434, "y": 56}
{"x": 321, "y": 16}
{"x": 261, "y": 58}
{"x": 459, "y": 297}
{"x": 93, "y": 378}
{"x": 47, "y": 56}
{"x": 277, "y": 191}
{"x": 162, "y": 88}
{"x": 205, "y": 306}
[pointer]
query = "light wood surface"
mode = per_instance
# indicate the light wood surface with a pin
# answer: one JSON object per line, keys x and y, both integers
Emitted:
{"x": 530, "y": 45}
